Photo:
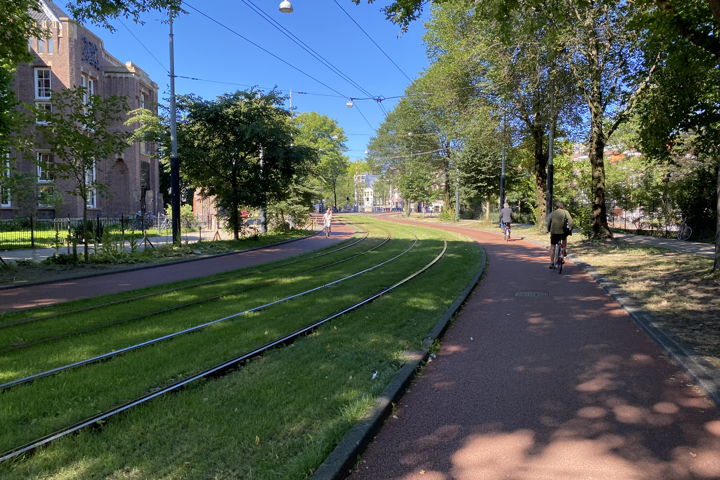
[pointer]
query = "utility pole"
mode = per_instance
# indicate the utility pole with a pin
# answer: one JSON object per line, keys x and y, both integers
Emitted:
{"x": 263, "y": 208}
{"x": 174, "y": 159}
{"x": 457, "y": 193}
{"x": 551, "y": 152}
{"x": 502, "y": 168}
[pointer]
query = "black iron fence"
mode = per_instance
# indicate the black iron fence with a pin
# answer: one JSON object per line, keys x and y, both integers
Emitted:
{"x": 31, "y": 232}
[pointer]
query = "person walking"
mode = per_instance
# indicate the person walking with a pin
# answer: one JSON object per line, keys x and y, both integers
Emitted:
{"x": 559, "y": 224}
{"x": 327, "y": 221}
{"x": 506, "y": 219}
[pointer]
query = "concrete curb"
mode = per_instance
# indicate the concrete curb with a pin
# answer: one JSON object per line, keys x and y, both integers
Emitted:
{"x": 342, "y": 459}
{"x": 155, "y": 265}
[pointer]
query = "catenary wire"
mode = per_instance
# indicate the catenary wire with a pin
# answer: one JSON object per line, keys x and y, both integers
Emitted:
{"x": 295, "y": 39}
{"x": 265, "y": 50}
{"x": 373, "y": 41}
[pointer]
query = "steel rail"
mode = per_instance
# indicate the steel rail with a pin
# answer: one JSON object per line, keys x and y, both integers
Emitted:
{"x": 53, "y": 316}
{"x": 179, "y": 306}
{"x": 105, "y": 356}
{"x": 217, "y": 370}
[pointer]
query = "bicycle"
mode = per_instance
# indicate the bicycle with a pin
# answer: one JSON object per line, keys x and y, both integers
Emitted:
{"x": 559, "y": 257}
{"x": 684, "y": 231}
{"x": 506, "y": 231}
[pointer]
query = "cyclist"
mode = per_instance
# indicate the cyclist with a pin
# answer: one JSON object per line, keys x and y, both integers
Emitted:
{"x": 327, "y": 221}
{"x": 506, "y": 218}
{"x": 559, "y": 224}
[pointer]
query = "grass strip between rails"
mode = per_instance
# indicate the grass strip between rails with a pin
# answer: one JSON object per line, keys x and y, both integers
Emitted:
{"x": 19, "y": 363}
{"x": 85, "y": 391}
{"x": 52, "y": 327}
{"x": 280, "y": 415}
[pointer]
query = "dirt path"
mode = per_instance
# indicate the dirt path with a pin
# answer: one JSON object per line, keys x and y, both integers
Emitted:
{"x": 545, "y": 377}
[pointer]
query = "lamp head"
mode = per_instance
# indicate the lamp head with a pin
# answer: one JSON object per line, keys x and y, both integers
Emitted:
{"x": 286, "y": 6}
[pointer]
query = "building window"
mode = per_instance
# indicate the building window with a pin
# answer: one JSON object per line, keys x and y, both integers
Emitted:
{"x": 46, "y": 106}
{"x": 88, "y": 84}
{"x": 90, "y": 178}
{"x": 46, "y": 189}
{"x": 40, "y": 45}
{"x": 143, "y": 100}
{"x": 50, "y": 45}
{"x": 145, "y": 175}
{"x": 5, "y": 198}
{"x": 43, "y": 83}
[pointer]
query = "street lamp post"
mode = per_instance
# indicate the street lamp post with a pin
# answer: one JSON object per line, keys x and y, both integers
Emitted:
{"x": 174, "y": 159}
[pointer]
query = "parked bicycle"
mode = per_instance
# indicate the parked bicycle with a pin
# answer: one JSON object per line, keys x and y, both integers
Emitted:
{"x": 684, "y": 231}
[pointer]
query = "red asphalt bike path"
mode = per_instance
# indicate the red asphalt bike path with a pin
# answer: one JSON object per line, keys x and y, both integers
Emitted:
{"x": 74, "y": 289}
{"x": 545, "y": 377}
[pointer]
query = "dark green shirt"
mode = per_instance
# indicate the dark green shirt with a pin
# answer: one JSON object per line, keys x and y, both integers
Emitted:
{"x": 557, "y": 220}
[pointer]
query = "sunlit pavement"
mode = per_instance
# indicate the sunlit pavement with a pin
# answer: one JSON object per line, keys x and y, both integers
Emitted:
{"x": 545, "y": 377}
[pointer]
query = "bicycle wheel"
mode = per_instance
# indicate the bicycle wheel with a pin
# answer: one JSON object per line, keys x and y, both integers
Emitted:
{"x": 684, "y": 232}
{"x": 558, "y": 259}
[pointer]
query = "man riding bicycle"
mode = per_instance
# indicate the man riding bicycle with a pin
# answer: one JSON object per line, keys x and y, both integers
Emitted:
{"x": 506, "y": 218}
{"x": 559, "y": 224}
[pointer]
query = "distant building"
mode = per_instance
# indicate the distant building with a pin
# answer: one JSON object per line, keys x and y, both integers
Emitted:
{"x": 70, "y": 56}
{"x": 374, "y": 195}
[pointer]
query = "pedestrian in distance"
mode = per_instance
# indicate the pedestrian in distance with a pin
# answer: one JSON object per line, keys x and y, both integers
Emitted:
{"x": 559, "y": 224}
{"x": 506, "y": 220}
{"x": 327, "y": 221}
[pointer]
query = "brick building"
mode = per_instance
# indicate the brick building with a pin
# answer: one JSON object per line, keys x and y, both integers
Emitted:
{"x": 71, "y": 56}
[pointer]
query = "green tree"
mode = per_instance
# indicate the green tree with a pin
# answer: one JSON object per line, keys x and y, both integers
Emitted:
{"x": 322, "y": 134}
{"x": 239, "y": 149}
{"x": 80, "y": 130}
{"x": 680, "y": 117}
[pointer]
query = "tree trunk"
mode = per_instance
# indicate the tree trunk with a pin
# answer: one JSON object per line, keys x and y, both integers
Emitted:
{"x": 84, "y": 228}
{"x": 716, "y": 264}
{"x": 598, "y": 217}
{"x": 540, "y": 173}
{"x": 487, "y": 209}
{"x": 599, "y": 226}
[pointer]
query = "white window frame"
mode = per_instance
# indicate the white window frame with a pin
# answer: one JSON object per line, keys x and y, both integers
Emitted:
{"x": 48, "y": 107}
{"x": 43, "y": 174}
{"x": 88, "y": 83}
{"x": 90, "y": 177}
{"x": 5, "y": 193}
{"x": 44, "y": 180}
{"x": 44, "y": 91}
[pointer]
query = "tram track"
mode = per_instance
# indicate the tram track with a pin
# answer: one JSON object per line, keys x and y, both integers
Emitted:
{"x": 185, "y": 286}
{"x": 217, "y": 370}
{"x": 182, "y": 305}
{"x": 24, "y": 380}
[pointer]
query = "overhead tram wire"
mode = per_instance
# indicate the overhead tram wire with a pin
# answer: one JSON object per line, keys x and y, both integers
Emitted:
{"x": 373, "y": 41}
{"x": 264, "y": 50}
{"x": 259, "y": 86}
{"x": 295, "y": 39}
{"x": 364, "y": 117}
{"x": 145, "y": 47}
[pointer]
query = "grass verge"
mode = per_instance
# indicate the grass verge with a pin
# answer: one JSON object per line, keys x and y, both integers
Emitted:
{"x": 28, "y": 272}
{"x": 279, "y": 416}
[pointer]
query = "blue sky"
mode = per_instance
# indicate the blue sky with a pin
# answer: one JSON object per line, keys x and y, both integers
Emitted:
{"x": 225, "y": 62}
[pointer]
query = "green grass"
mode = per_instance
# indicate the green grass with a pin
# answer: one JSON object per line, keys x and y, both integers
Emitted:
{"x": 278, "y": 416}
{"x": 29, "y": 272}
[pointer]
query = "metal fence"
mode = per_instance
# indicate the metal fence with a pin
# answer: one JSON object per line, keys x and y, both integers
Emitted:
{"x": 31, "y": 232}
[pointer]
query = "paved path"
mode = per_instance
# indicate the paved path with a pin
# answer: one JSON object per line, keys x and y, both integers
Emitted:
{"x": 696, "y": 248}
{"x": 73, "y": 289}
{"x": 545, "y": 377}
